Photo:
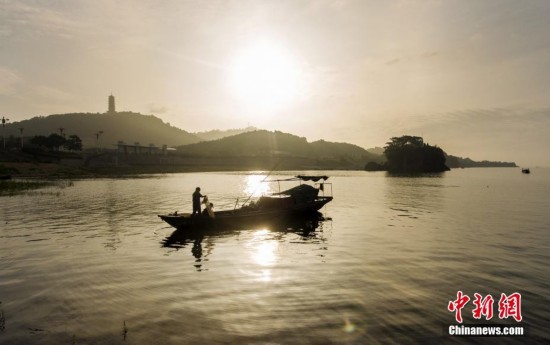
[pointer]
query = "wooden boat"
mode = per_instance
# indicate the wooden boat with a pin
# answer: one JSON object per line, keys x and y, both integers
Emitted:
{"x": 301, "y": 201}
{"x": 303, "y": 225}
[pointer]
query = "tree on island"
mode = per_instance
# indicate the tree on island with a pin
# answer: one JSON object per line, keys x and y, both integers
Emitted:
{"x": 409, "y": 154}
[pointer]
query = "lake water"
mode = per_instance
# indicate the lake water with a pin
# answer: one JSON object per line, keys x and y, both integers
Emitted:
{"x": 91, "y": 263}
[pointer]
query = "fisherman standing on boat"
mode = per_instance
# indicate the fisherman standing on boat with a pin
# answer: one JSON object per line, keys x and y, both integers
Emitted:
{"x": 197, "y": 202}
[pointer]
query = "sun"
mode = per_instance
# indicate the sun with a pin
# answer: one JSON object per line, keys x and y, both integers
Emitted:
{"x": 265, "y": 76}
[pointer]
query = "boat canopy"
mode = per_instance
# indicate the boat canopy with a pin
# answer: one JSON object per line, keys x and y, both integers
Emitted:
{"x": 301, "y": 193}
{"x": 312, "y": 178}
{"x": 302, "y": 178}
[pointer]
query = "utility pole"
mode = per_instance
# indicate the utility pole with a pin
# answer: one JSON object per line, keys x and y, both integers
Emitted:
{"x": 21, "y": 132}
{"x": 97, "y": 135}
{"x": 62, "y": 133}
{"x": 4, "y": 121}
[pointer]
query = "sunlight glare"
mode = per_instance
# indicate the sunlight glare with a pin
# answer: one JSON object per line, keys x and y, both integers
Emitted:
{"x": 348, "y": 326}
{"x": 265, "y": 76}
{"x": 255, "y": 187}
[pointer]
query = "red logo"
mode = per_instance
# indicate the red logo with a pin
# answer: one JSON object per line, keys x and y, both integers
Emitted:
{"x": 508, "y": 306}
{"x": 483, "y": 307}
{"x": 458, "y": 304}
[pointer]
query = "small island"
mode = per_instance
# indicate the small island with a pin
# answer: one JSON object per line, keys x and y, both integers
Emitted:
{"x": 409, "y": 154}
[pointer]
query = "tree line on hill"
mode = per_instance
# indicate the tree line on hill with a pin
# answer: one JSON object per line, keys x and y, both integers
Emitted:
{"x": 216, "y": 134}
{"x": 459, "y": 162}
{"x": 128, "y": 127}
{"x": 55, "y": 142}
{"x": 52, "y": 142}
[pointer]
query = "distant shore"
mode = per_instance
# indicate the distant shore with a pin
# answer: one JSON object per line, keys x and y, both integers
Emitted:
{"x": 92, "y": 164}
{"x": 38, "y": 170}
{"x": 58, "y": 171}
{"x": 31, "y": 164}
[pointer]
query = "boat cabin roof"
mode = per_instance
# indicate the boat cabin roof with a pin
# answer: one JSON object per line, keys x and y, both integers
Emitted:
{"x": 313, "y": 178}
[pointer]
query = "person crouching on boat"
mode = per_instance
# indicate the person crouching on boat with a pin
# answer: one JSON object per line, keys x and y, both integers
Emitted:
{"x": 208, "y": 208}
{"x": 197, "y": 202}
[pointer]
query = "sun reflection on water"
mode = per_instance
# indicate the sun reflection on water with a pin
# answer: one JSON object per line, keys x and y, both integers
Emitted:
{"x": 265, "y": 250}
{"x": 264, "y": 253}
{"x": 265, "y": 276}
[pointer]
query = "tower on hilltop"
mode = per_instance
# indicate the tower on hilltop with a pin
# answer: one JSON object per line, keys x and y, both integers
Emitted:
{"x": 111, "y": 104}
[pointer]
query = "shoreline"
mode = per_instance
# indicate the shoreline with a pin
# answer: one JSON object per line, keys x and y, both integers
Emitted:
{"x": 111, "y": 164}
{"x": 58, "y": 171}
{"x": 53, "y": 171}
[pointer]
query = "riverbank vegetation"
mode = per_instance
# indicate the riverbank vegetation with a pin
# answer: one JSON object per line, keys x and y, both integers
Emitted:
{"x": 13, "y": 187}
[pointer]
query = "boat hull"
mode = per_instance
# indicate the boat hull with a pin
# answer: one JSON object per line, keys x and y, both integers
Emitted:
{"x": 244, "y": 217}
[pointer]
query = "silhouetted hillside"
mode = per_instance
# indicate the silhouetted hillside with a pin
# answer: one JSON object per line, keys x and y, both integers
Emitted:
{"x": 376, "y": 150}
{"x": 278, "y": 144}
{"x": 126, "y": 126}
{"x": 459, "y": 162}
{"x": 323, "y": 148}
{"x": 216, "y": 134}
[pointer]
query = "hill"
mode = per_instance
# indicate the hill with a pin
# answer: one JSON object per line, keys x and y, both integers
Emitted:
{"x": 216, "y": 134}
{"x": 459, "y": 162}
{"x": 125, "y": 126}
{"x": 262, "y": 144}
{"x": 376, "y": 150}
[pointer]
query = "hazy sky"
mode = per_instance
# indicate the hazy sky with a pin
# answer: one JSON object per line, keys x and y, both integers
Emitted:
{"x": 470, "y": 76}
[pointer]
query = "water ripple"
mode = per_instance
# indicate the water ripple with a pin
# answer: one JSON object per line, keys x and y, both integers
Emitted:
{"x": 94, "y": 263}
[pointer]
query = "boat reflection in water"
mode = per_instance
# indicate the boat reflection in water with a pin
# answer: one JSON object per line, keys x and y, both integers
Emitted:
{"x": 293, "y": 210}
{"x": 202, "y": 240}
